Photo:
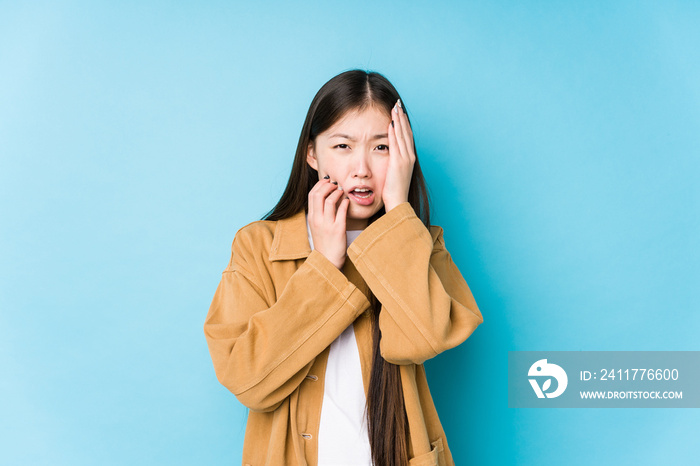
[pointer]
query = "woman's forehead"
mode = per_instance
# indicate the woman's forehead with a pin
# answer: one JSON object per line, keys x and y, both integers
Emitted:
{"x": 359, "y": 119}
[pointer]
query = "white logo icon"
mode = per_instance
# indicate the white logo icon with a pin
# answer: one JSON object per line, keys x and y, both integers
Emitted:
{"x": 541, "y": 369}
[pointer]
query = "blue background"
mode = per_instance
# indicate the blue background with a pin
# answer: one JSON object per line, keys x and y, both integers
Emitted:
{"x": 559, "y": 139}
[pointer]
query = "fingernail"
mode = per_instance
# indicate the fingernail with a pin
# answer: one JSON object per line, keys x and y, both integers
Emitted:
{"x": 340, "y": 187}
{"x": 326, "y": 177}
{"x": 398, "y": 102}
{"x": 392, "y": 123}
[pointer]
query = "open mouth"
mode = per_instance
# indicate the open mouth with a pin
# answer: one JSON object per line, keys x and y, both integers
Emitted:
{"x": 362, "y": 196}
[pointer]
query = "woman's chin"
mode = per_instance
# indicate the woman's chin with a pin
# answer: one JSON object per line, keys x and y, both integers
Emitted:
{"x": 361, "y": 214}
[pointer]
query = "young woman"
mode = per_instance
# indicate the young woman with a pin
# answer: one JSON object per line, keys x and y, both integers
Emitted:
{"x": 332, "y": 302}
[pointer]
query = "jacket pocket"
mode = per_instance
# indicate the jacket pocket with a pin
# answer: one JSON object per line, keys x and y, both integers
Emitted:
{"x": 435, "y": 457}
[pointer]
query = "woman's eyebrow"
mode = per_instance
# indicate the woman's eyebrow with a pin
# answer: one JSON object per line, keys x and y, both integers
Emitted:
{"x": 376, "y": 136}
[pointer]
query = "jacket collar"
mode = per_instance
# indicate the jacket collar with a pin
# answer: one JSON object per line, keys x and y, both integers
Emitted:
{"x": 291, "y": 240}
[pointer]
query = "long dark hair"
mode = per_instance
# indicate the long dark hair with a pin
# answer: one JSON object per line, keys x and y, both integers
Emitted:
{"x": 356, "y": 90}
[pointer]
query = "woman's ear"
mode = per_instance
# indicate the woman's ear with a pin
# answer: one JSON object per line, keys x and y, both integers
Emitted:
{"x": 311, "y": 157}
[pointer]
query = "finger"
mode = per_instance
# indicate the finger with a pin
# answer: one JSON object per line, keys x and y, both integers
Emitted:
{"x": 406, "y": 132}
{"x": 406, "y": 129}
{"x": 330, "y": 204}
{"x": 318, "y": 194}
{"x": 398, "y": 130}
{"x": 343, "y": 212}
{"x": 409, "y": 142}
{"x": 343, "y": 195}
{"x": 394, "y": 150}
{"x": 313, "y": 205}
{"x": 310, "y": 201}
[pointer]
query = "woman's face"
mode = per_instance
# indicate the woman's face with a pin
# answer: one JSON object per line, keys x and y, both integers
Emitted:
{"x": 355, "y": 152}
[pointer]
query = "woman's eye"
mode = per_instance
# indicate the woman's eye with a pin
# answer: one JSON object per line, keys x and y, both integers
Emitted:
{"x": 383, "y": 145}
{"x": 345, "y": 145}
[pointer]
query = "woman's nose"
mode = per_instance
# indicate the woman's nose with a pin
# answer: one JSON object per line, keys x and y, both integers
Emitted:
{"x": 361, "y": 166}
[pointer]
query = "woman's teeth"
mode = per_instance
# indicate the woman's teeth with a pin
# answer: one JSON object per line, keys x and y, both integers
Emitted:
{"x": 359, "y": 192}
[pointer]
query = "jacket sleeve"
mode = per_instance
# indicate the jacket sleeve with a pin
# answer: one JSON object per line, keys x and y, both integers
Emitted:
{"x": 427, "y": 306}
{"x": 263, "y": 350}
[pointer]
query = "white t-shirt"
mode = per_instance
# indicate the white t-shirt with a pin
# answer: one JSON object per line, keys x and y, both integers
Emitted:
{"x": 342, "y": 435}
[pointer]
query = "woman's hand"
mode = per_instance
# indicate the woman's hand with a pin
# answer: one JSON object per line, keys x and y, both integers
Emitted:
{"x": 327, "y": 224}
{"x": 402, "y": 157}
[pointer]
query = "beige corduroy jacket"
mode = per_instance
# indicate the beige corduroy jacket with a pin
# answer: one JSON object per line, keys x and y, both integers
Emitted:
{"x": 280, "y": 305}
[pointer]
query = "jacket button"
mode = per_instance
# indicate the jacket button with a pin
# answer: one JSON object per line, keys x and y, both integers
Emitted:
{"x": 312, "y": 377}
{"x": 306, "y": 436}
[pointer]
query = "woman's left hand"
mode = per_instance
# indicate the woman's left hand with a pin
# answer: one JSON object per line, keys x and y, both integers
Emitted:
{"x": 402, "y": 157}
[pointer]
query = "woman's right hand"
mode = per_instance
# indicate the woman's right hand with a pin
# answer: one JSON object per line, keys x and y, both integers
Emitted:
{"x": 327, "y": 220}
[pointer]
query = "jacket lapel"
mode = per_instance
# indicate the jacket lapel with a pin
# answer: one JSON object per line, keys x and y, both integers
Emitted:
{"x": 291, "y": 240}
